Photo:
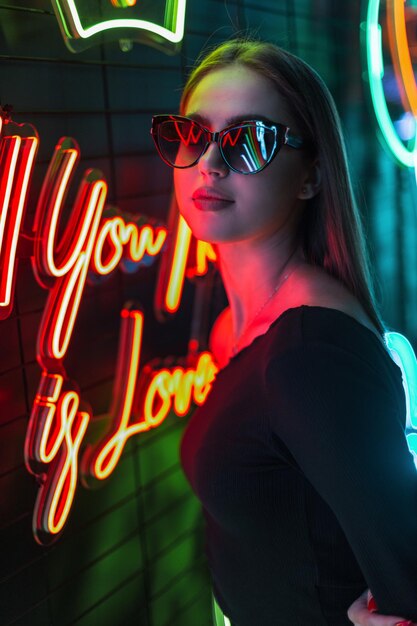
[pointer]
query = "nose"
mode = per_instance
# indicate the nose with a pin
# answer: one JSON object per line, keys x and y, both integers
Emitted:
{"x": 212, "y": 163}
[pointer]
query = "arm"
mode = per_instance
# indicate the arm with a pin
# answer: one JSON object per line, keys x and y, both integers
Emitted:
{"x": 346, "y": 435}
{"x": 360, "y": 614}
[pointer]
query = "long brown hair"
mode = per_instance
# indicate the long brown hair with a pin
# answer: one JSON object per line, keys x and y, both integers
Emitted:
{"x": 331, "y": 230}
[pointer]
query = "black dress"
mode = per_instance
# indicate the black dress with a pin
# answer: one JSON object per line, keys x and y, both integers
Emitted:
{"x": 309, "y": 492}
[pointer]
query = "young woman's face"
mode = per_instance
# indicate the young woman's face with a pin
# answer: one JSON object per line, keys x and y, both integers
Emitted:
{"x": 223, "y": 206}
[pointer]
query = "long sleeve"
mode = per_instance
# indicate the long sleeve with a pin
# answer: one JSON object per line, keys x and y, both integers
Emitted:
{"x": 343, "y": 423}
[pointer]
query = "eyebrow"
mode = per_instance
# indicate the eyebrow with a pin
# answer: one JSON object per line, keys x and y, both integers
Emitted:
{"x": 236, "y": 119}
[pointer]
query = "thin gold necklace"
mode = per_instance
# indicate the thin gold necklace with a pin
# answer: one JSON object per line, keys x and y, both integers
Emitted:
{"x": 280, "y": 281}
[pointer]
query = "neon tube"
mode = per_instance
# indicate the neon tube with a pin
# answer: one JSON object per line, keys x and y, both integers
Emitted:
{"x": 177, "y": 275}
{"x": 17, "y": 156}
{"x": 375, "y": 73}
{"x": 68, "y": 10}
{"x": 403, "y": 354}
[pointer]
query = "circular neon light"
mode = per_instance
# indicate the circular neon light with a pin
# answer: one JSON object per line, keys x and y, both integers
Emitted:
{"x": 375, "y": 63}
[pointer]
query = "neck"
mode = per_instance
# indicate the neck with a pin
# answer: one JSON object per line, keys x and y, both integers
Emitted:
{"x": 250, "y": 275}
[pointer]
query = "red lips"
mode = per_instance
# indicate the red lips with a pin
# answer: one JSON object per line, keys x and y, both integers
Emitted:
{"x": 210, "y": 193}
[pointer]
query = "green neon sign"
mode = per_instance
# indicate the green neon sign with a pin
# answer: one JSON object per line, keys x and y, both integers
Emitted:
{"x": 375, "y": 65}
{"x": 85, "y": 23}
{"x": 403, "y": 354}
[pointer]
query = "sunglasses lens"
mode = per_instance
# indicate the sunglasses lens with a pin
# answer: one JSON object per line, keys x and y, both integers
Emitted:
{"x": 180, "y": 141}
{"x": 247, "y": 149}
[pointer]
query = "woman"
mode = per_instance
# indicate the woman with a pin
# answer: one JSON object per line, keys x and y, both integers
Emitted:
{"x": 299, "y": 455}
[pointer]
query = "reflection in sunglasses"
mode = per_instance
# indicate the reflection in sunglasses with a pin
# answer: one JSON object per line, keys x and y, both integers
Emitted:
{"x": 246, "y": 148}
{"x": 228, "y": 138}
{"x": 253, "y": 158}
{"x": 260, "y": 136}
{"x": 192, "y": 137}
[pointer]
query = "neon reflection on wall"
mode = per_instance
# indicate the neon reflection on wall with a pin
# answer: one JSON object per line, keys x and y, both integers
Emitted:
{"x": 159, "y": 23}
{"x": 62, "y": 259}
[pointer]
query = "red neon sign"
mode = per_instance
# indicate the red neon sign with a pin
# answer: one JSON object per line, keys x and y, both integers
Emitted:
{"x": 149, "y": 401}
{"x": 125, "y": 240}
{"x": 18, "y": 149}
{"x": 182, "y": 259}
{"x": 92, "y": 241}
{"x": 55, "y": 433}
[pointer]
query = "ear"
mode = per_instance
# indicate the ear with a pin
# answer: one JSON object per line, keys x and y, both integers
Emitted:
{"x": 312, "y": 182}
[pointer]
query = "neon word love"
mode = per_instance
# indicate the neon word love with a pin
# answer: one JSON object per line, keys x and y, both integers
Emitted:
{"x": 159, "y": 23}
{"x": 147, "y": 402}
{"x": 94, "y": 240}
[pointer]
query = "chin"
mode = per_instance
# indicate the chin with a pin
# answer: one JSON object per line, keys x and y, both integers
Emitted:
{"x": 201, "y": 229}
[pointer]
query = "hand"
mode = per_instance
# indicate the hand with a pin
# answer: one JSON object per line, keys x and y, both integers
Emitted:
{"x": 360, "y": 615}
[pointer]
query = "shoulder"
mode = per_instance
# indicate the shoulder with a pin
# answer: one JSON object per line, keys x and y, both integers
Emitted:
{"x": 329, "y": 334}
{"x": 322, "y": 298}
{"x": 314, "y": 287}
{"x": 308, "y": 286}
{"x": 325, "y": 355}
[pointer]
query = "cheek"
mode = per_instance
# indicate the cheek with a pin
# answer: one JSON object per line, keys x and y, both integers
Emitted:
{"x": 282, "y": 180}
{"x": 260, "y": 192}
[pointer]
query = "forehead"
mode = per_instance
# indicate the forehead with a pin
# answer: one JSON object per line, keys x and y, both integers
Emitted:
{"x": 236, "y": 91}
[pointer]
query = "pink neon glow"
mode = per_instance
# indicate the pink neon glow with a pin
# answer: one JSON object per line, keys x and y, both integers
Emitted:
{"x": 17, "y": 155}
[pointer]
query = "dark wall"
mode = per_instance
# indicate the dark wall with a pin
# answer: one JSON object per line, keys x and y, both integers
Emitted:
{"x": 132, "y": 551}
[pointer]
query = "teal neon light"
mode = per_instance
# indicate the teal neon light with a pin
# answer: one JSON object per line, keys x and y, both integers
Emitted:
{"x": 375, "y": 64}
{"x": 403, "y": 354}
{"x": 79, "y": 35}
{"x": 412, "y": 444}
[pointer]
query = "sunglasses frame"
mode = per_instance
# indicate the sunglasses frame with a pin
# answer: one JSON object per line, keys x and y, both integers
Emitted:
{"x": 216, "y": 137}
